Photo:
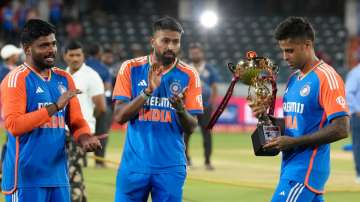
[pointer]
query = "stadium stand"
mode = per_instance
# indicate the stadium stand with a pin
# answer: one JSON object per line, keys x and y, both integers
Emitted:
{"x": 227, "y": 43}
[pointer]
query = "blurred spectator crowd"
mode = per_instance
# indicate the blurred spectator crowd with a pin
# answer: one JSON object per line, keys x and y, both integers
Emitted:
{"x": 126, "y": 35}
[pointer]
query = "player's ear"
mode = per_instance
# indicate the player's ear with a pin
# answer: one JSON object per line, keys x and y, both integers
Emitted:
{"x": 27, "y": 50}
{"x": 308, "y": 43}
{"x": 152, "y": 42}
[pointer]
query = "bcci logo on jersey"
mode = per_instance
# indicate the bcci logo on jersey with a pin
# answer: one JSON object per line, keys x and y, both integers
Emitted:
{"x": 305, "y": 90}
{"x": 175, "y": 87}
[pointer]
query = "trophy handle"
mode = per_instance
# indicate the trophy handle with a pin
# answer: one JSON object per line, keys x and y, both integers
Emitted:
{"x": 226, "y": 98}
{"x": 223, "y": 103}
{"x": 274, "y": 91}
{"x": 231, "y": 67}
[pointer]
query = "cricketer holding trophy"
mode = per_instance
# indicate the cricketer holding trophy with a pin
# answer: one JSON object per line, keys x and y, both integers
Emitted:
{"x": 260, "y": 74}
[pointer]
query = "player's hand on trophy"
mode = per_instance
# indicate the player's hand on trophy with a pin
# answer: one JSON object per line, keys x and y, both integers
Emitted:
{"x": 281, "y": 143}
{"x": 65, "y": 98}
{"x": 89, "y": 143}
{"x": 259, "y": 106}
{"x": 154, "y": 78}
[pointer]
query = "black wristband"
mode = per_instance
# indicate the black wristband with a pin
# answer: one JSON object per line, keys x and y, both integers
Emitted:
{"x": 146, "y": 93}
{"x": 57, "y": 107}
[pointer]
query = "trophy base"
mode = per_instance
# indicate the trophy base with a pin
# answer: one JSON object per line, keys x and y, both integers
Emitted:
{"x": 263, "y": 134}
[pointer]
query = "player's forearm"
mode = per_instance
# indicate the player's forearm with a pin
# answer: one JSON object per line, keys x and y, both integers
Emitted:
{"x": 78, "y": 128}
{"x": 99, "y": 110}
{"x": 75, "y": 119}
{"x": 52, "y": 109}
{"x": 338, "y": 129}
{"x": 108, "y": 86}
{"x": 187, "y": 121}
{"x": 100, "y": 105}
{"x": 126, "y": 111}
{"x": 18, "y": 125}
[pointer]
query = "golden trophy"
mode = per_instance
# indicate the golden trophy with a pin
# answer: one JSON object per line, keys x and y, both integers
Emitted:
{"x": 260, "y": 74}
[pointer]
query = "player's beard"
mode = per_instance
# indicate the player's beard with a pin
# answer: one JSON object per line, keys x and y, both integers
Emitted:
{"x": 164, "y": 59}
{"x": 39, "y": 62}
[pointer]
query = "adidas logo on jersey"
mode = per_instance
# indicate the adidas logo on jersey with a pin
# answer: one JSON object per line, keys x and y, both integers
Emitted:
{"x": 39, "y": 90}
{"x": 282, "y": 193}
{"x": 142, "y": 83}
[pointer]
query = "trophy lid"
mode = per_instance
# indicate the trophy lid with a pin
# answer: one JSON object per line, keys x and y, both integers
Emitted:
{"x": 251, "y": 55}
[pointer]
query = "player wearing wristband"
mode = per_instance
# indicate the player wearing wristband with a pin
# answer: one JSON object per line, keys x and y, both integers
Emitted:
{"x": 159, "y": 96}
{"x": 38, "y": 100}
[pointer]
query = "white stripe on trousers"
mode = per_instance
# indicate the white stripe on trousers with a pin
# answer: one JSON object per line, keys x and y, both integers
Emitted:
{"x": 291, "y": 191}
{"x": 14, "y": 197}
{"x": 295, "y": 192}
{"x": 299, "y": 193}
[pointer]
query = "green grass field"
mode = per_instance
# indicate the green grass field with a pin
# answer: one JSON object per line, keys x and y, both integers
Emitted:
{"x": 239, "y": 175}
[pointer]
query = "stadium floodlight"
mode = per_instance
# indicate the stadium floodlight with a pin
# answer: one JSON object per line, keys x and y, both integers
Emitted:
{"x": 208, "y": 19}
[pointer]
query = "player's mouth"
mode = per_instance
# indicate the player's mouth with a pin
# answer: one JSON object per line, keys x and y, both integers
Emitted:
{"x": 291, "y": 64}
{"x": 50, "y": 59}
{"x": 169, "y": 54}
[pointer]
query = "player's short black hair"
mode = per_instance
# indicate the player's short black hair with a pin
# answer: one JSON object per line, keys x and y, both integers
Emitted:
{"x": 72, "y": 45}
{"x": 34, "y": 29}
{"x": 295, "y": 28}
{"x": 168, "y": 23}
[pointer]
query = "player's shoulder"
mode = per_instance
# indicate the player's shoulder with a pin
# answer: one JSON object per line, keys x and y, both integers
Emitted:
{"x": 60, "y": 72}
{"x": 328, "y": 75}
{"x": 63, "y": 73}
{"x": 325, "y": 70}
{"x": 187, "y": 68}
{"x": 91, "y": 77}
{"x": 88, "y": 71}
{"x": 134, "y": 62}
{"x": 190, "y": 71}
{"x": 16, "y": 76}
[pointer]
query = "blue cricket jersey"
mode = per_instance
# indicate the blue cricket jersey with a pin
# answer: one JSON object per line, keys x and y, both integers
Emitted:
{"x": 310, "y": 103}
{"x": 154, "y": 141}
{"x": 35, "y": 155}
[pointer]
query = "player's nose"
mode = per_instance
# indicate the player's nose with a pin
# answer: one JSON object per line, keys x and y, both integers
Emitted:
{"x": 285, "y": 56}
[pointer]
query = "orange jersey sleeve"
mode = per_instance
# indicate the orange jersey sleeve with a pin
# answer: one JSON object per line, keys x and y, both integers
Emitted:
{"x": 13, "y": 99}
{"x": 193, "y": 98}
{"x": 75, "y": 120}
{"x": 332, "y": 91}
{"x": 122, "y": 89}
